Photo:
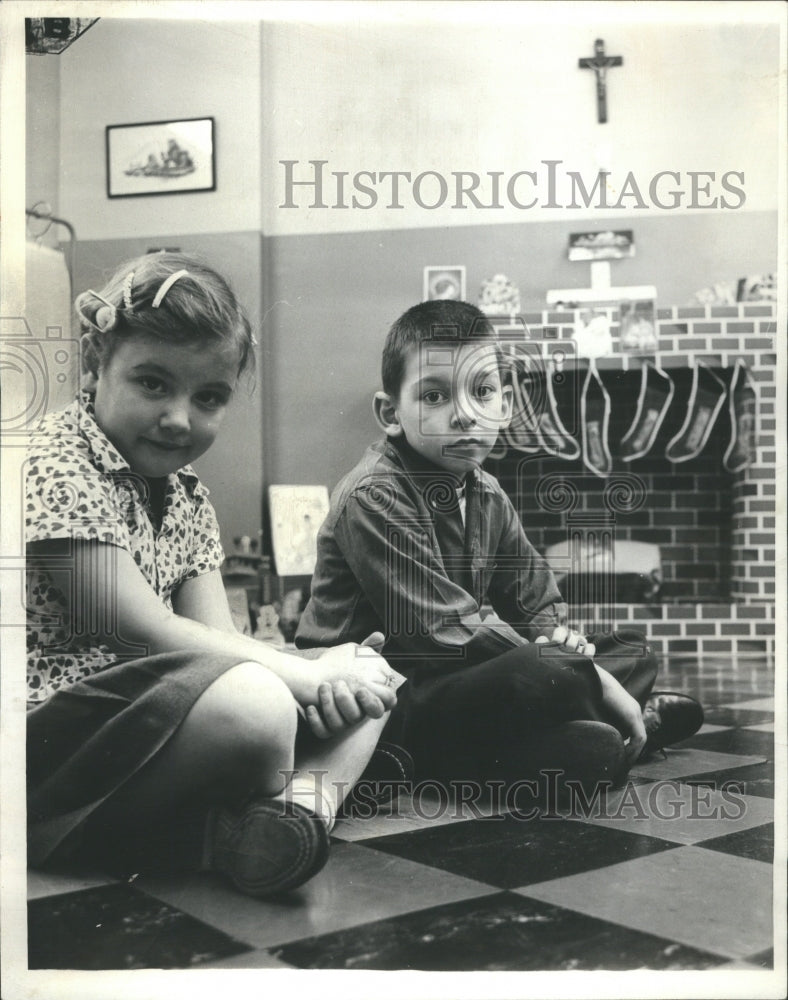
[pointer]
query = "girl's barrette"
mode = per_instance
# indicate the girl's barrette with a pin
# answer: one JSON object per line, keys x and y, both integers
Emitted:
{"x": 106, "y": 317}
{"x": 165, "y": 286}
{"x": 127, "y": 286}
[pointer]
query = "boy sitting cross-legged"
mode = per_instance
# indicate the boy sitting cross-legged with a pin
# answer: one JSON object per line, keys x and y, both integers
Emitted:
{"x": 420, "y": 543}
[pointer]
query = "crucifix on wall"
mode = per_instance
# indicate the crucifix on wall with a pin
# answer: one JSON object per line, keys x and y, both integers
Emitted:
{"x": 600, "y": 65}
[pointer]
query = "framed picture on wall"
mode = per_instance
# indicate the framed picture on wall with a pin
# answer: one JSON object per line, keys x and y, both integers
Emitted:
{"x": 444, "y": 282}
{"x": 167, "y": 157}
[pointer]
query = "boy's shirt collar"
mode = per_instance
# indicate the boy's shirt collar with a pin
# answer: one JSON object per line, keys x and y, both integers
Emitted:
{"x": 401, "y": 451}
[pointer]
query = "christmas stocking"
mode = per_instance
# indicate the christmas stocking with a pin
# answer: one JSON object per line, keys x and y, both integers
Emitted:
{"x": 556, "y": 439}
{"x": 741, "y": 403}
{"x": 706, "y": 398}
{"x": 522, "y": 434}
{"x": 595, "y": 416}
{"x": 656, "y": 392}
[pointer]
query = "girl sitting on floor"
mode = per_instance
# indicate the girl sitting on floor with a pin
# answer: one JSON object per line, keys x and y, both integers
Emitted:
{"x": 158, "y": 736}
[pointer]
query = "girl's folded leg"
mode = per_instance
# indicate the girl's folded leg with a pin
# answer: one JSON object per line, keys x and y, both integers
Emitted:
{"x": 230, "y": 793}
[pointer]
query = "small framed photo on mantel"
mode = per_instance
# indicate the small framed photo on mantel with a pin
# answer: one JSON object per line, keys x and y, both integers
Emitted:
{"x": 154, "y": 158}
{"x": 444, "y": 282}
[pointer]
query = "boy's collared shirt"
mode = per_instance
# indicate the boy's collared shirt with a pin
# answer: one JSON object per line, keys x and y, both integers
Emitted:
{"x": 396, "y": 555}
{"x": 78, "y": 486}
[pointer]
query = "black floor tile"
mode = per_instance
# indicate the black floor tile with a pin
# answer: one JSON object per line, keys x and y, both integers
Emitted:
{"x": 756, "y": 843}
{"x": 750, "y": 779}
{"x": 508, "y": 852}
{"x": 493, "y": 933}
{"x": 117, "y": 927}
{"x": 738, "y": 741}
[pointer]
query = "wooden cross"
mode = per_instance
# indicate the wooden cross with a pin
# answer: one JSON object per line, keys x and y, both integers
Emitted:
{"x": 600, "y": 64}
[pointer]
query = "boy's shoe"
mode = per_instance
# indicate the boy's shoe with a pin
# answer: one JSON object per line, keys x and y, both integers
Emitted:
{"x": 268, "y": 846}
{"x": 390, "y": 771}
{"x": 669, "y": 717}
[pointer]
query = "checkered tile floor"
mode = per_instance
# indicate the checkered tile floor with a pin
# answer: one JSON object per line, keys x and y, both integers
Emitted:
{"x": 674, "y": 871}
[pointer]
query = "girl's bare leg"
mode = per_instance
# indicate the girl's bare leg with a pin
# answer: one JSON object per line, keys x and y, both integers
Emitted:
{"x": 238, "y": 737}
{"x": 236, "y": 747}
{"x": 326, "y": 771}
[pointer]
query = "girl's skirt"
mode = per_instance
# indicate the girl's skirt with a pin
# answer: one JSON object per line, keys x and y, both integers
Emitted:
{"x": 87, "y": 740}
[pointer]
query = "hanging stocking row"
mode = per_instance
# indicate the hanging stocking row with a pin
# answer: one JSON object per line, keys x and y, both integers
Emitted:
{"x": 536, "y": 423}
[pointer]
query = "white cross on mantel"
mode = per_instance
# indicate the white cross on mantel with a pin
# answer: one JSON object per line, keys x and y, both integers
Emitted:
{"x": 601, "y": 290}
{"x": 600, "y": 64}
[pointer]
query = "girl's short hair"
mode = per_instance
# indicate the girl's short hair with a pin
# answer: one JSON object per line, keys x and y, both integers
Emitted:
{"x": 197, "y": 306}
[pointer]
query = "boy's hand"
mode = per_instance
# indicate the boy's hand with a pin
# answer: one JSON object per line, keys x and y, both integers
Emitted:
{"x": 623, "y": 711}
{"x": 625, "y": 714}
{"x": 572, "y": 642}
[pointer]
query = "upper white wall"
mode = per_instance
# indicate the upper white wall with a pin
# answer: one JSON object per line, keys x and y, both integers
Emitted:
{"x": 124, "y": 71}
{"x": 504, "y": 95}
{"x": 445, "y": 88}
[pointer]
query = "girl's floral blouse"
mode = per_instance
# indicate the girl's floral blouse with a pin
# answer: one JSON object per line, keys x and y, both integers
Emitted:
{"x": 79, "y": 487}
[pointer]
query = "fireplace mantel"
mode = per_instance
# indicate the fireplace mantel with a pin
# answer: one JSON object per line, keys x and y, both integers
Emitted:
{"x": 716, "y": 335}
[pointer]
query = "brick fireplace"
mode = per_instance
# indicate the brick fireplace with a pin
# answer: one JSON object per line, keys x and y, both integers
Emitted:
{"x": 715, "y": 529}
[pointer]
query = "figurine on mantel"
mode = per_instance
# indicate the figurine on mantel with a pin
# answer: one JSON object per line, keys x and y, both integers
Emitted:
{"x": 753, "y": 288}
{"x": 498, "y": 296}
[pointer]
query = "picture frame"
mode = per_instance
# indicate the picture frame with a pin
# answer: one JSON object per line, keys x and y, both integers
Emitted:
{"x": 296, "y": 515}
{"x": 445, "y": 281}
{"x": 610, "y": 244}
{"x": 175, "y": 156}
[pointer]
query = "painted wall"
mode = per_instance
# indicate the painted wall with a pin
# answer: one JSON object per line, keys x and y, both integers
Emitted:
{"x": 506, "y": 95}
{"x": 42, "y": 174}
{"x": 124, "y": 71}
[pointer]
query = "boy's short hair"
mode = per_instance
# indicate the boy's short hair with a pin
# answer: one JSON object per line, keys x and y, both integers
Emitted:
{"x": 440, "y": 319}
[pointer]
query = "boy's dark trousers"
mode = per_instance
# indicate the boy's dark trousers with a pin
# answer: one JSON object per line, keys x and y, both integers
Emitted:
{"x": 504, "y": 719}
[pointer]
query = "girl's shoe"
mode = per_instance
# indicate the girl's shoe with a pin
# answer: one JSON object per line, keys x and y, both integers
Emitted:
{"x": 269, "y": 846}
{"x": 669, "y": 717}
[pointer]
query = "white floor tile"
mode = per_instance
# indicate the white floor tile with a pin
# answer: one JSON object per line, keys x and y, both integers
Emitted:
{"x": 357, "y": 886}
{"x": 717, "y": 902}
{"x": 682, "y": 814}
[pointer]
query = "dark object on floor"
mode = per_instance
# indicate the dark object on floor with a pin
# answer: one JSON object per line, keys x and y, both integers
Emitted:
{"x": 670, "y": 717}
{"x": 390, "y": 771}
{"x": 292, "y": 607}
{"x": 268, "y": 847}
